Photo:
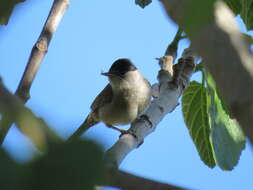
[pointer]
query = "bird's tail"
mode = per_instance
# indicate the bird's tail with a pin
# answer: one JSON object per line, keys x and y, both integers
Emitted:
{"x": 88, "y": 123}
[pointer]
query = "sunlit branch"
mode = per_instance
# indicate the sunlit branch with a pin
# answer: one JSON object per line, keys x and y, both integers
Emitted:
{"x": 38, "y": 52}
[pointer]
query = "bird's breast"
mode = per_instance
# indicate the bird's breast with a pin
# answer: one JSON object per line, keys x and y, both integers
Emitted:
{"x": 127, "y": 104}
{"x": 121, "y": 111}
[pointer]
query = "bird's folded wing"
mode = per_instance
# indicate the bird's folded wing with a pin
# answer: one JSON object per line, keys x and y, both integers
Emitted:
{"x": 103, "y": 98}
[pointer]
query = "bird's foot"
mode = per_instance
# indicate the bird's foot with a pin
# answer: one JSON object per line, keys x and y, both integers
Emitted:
{"x": 133, "y": 134}
{"x": 122, "y": 131}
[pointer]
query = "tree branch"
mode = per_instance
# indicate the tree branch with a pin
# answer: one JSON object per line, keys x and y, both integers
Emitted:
{"x": 127, "y": 181}
{"x": 172, "y": 82}
{"x": 172, "y": 47}
{"x": 36, "y": 129}
{"x": 39, "y": 51}
{"x": 227, "y": 58}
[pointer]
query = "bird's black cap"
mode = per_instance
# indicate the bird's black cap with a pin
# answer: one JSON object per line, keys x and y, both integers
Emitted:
{"x": 121, "y": 66}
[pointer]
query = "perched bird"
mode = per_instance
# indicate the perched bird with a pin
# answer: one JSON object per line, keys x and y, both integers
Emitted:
{"x": 127, "y": 95}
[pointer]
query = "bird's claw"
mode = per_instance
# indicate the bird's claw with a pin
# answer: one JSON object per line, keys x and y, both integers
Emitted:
{"x": 124, "y": 132}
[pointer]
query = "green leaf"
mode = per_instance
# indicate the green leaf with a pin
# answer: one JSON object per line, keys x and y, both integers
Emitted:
{"x": 227, "y": 137}
{"x": 218, "y": 138}
{"x": 8, "y": 172}
{"x": 248, "y": 38}
{"x": 199, "y": 67}
{"x": 76, "y": 165}
{"x": 143, "y": 3}
{"x": 6, "y": 8}
{"x": 245, "y": 9}
{"x": 234, "y": 5}
{"x": 194, "y": 105}
{"x": 198, "y": 14}
{"x": 247, "y": 13}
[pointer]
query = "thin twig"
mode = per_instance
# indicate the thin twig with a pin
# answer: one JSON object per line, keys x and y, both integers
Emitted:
{"x": 172, "y": 47}
{"x": 38, "y": 52}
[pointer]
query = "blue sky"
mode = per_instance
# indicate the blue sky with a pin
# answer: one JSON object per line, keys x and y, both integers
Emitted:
{"x": 90, "y": 37}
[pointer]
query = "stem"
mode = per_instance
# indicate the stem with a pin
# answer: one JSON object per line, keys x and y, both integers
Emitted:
{"x": 38, "y": 53}
{"x": 173, "y": 46}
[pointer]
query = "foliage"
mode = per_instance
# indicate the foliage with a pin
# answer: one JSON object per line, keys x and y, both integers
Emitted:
{"x": 245, "y": 9}
{"x": 242, "y": 7}
{"x": 203, "y": 14}
{"x": 227, "y": 137}
{"x": 6, "y": 9}
{"x": 215, "y": 135}
{"x": 196, "y": 119}
{"x": 202, "y": 10}
{"x": 78, "y": 164}
{"x": 8, "y": 171}
{"x": 248, "y": 39}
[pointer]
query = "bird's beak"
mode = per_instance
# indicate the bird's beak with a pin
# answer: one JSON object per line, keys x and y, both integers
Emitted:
{"x": 107, "y": 74}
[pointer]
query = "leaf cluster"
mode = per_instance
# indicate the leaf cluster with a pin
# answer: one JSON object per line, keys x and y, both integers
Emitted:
{"x": 76, "y": 165}
{"x": 217, "y": 137}
{"x": 244, "y": 8}
{"x": 6, "y": 9}
{"x": 202, "y": 10}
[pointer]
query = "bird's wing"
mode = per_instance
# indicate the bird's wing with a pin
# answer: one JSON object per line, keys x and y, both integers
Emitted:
{"x": 104, "y": 97}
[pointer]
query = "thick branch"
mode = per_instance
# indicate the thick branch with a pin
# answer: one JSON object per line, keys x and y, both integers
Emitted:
{"x": 227, "y": 58}
{"x": 171, "y": 86}
{"x": 39, "y": 133}
{"x": 126, "y": 181}
{"x": 36, "y": 129}
{"x": 39, "y": 51}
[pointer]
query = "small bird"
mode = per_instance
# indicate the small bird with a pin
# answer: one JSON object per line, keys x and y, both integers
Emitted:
{"x": 127, "y": 95}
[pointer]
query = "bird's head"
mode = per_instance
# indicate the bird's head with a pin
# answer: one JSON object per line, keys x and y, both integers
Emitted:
{"x": 122, "y": 72}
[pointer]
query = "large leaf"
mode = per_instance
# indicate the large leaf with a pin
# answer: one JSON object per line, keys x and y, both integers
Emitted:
{"x": 203, "y": 13}
{"x": 6, "y": 8}
{"x": 245, "y": 9}
{"x": 197, "y": 15}
{"x": 227, "y": 137}
{"x": 143, "y": 3}
{"x": 234, "y": 5}
{"x": 247, "y": 13}
{"x": 8, "y": 172}
{"x": 77, "y": 165}
{"x": 194, "y": 105}
{"x": 248, "y": 38}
